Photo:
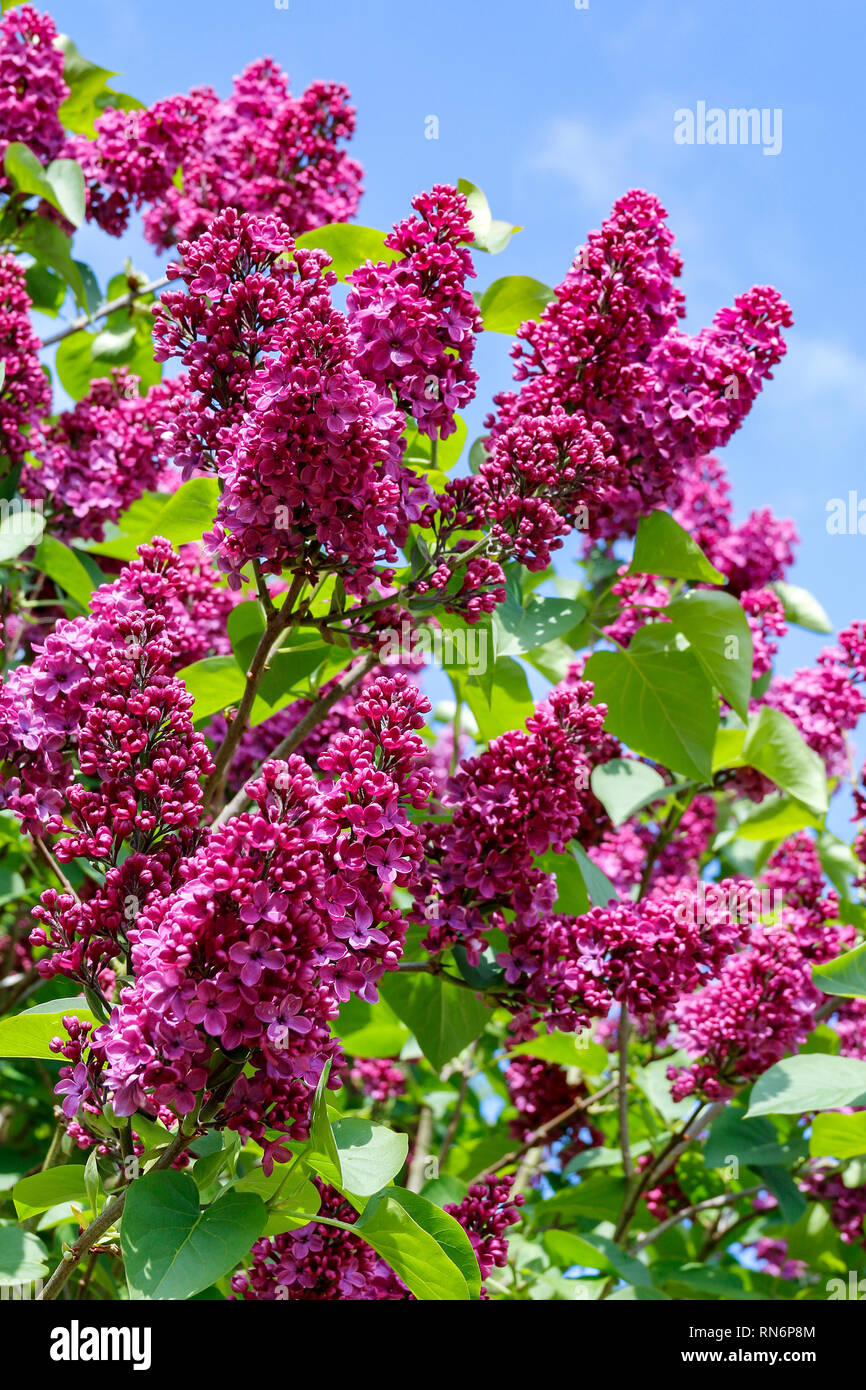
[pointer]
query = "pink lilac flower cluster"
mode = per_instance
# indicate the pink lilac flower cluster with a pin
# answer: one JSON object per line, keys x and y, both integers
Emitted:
{"x": 541, "y": 1092}
{"x": 308, "y": 451}
{"x": 827, "y": 700}
{"x": 775, "y": 1260}
{"x": 541, "y": 477}
{"x": 752, "y": 554}
{"x": 810, "y": 910}
{"x": 527, "y": 793}
{"x": 314, "y": 1263}
{"x": 608, "y": 347}
{"x": 645, "y": 955}
{"x": 666, "y": 1197}
{"x": 324, "y": 1263}
{"x": 624, "y": 850}
{"x": 188, "y": 157}
{"x": 380, "y": 1078}
{"x": 103, "y": 687}
{"x": 281, "y": 915}
{"x": 761, "y": 1005}
{"x": 414, "y": 321}
{"x": 847, "y": 1204}
{"x": 762, "y": 1002}
{"x": 485, "y": 1213}
{"x": 640, "y": 595}
{"x": 31, "y": 85}
{"x": 24, "y": 392}
{"x": 98, "y": 458}
{"x": 765, "y": 615}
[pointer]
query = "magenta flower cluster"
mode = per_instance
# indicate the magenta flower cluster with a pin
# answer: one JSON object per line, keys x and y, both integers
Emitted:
{"x": 24, "y": 392}
{"x": 414, "y": 322}
{"x": 607, "y": 350}
{"x": 31, "y": 85}
{"x": 282, "y": 914}
{"x": 187, "y": 158}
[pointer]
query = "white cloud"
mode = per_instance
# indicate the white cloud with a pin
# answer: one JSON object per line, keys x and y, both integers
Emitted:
{"x": 823, "y": 373}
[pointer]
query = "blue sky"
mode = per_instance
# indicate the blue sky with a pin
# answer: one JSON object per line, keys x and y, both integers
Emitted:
{"x": 554, "y": 111}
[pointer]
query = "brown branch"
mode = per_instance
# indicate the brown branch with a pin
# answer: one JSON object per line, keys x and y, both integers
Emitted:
{"x": 105, "y": 309}
{"x": 545, "y": 1129}
{"x": 314, "y": 716}
{"x": 109, "y": 1215}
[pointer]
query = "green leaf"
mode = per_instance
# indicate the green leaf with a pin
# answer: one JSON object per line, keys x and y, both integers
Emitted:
{"x": 322, "y": 1152}
{"x": 542, "y": 620}
{"x": 47, "y": 244}
{"x": 500, "y": 700}
{"x": 444, "y": 1017}
{"x": 19, "y": 529}
{"x": 749, "y": 1141}
{"x": 48, "y": 1189}
{"x": 285, "y": 672}
{"x": 370, "y": 1155}
{"x": 810, "y": 1081}
{"x": 61, "y": 184}
{"x": 369, "y": 1030}
{"x": 801, "y": 607}
{"x": 28, "y": 1034}
{"x": 421, "y": 1243}
{"x": 73, "y": 364}
{"x": 89, "y": 95}
{"x": 349, "y": 246}
{"x": 172, "y": 1249}
{"x": 846, "y": 975}
{"x": 663, "y": 547}
{"x": 46, "y": 290}
{"x": 66, "y": 181}
{"x": 838, "y": 1136}
{"x": 514, "y": 300}
{"x": 624, "y": 786}
{"x": 66, "y": 569}
{"x": 776, "y": 817}
{"x": 490, "y": 233}
{"x": 659, "y": 703}
{"x": 214, "y": 682}
{"x": 245, "y": 627}
{"x": 23, "y": 1257}
{"x": 775, "y": 746}
{"x": 719, "y": 635}
{"x": 597, "y": 1252}
{"x": 300, "y": 1195}
{"x": 572, "y": 897}
{"x": 182, "y": 517}
{"x": 567, "y": 1050}
{"x": 599, "y": 887}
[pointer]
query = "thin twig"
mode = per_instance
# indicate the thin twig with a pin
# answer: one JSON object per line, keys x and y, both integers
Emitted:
{"x": 562, "y": 1118}
{"x": 314, "y": 716}
{"x": 104, "y": 310}
{"x": 727, "y": 1199}
{"x": 108, "y": 1217}
{"x": 454, "y": 1121}
{"x": 423, "y": 1137}
{"x": 622, "y": 1036}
